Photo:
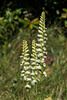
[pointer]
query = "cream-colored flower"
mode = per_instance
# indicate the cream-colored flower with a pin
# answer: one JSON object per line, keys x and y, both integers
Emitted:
{"x": 28, "y": 79}
{"x": 45, "y": 74}
{"x": 22, "y": 74}
{"x": 22, "y": 71}
{"x": 33, "y": 82}
{"x": 27, "y": 72}
{"x": 38, "y": 45}
{"x": 38, "y": 50}
{"x": 39, "y": 35}
{"x": 40, "y": 54}
{"x": 28, "y": 86}
{"x": 40, "y": 31}
{"x": 40, "y": 40}
{"x": 37, "y": 67}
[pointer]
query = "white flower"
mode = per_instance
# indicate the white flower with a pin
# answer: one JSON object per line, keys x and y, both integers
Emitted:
{"x": 37, "y": 67}
{"x": 21, "y": 64}
{"x": 27, "y": 72}
{"x": 45, "y": 56}
{"x": 40, "y": 54}
{"x": 40, "y": 28}
{"x": 39, "y": 35}
{"x": 28, "y": 79}
{"x": 45, "y": 34}
{"x": 22, "y": 53}
{"x": 42, "y": 60}
{"x": 25, "y": 58}
{"x": 32, "y": 73}
{"x": 33, "y": 68}
{"x": 44, "y": 41}
{"x": 38, "y": 44}
{"x": 37, "y": 60}
{"x": 44, "y": 65}
{"x": 45, "y": 52}
{"x": 26, "y": 63}
{"x": 38, "y": 50}
{"x": 25, "y": 78}
{"x": 33, "y": 49}
{"x": 44, "y": 30}
{"x": 32, "y": 55}
{"x": 30, "y": 66}
{"x": 45, "y": 38}
{"x": 42, "y": 44}
{"x": 33, "y": 82}
{"x": 26, "y": 54}
{"x": 32, "y": 59}
{"x": 41, "y": 25}
{"x": 22, "y": 71}
{"x": 26, "y": 68}
{"x": 33, "y": 63}
{"x": 40, "y": 31}
{"x": 38, "y": 79}
{"x": 36, "y": 73}
{"x": 45, "y": 74}
{"x": 40, "y": 21}
{"x": 21, "y": 56}
{"x": 44, "y": 48}
{"x": 40, "y": 40}
{"x": 28, "y": 86}
{"x": 27, "y": 50}
{"x": 22, "y": 74}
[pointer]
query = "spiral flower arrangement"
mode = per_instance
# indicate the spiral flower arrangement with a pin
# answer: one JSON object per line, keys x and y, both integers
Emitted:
{"x": 25, "y": 73}
{"x": 41, "y": 44}
{"x": 33, "y": 68}
{"x": 33, "y": 63}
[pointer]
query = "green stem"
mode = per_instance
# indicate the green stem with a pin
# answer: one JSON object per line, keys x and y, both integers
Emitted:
{"x": 23, "y": 91}
{"x": 41, "y": 87}
{"x": 36, "y": 91}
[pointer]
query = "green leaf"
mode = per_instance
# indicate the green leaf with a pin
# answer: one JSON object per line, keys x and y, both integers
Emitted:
{"x": 31, "y": 26}
{"x": 64, "y": 9}
{"x": 0, "y": 35}
{"x": 65, "y": 22}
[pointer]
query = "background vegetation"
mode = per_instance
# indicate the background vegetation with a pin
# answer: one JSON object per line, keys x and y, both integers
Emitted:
{"x": 18, "y": 21}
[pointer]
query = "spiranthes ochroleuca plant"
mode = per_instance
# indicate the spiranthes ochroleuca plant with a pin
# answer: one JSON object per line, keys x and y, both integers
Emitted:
{"x": 33, "y": 63}
{"x": 25, "y": 73}
{"x": 41, "y": 48}
{"x": 41, "y": 42}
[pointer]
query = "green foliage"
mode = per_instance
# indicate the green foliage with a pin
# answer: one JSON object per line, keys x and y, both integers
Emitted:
{"x": 64, "y": 16}
{"x": 9, "y": 25}
{"x": 53, "y": 8}
{"x": 31, "y": 24}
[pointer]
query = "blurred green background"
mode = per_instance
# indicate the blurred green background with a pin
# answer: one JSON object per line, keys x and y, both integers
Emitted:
{"x": 18, "y": 21}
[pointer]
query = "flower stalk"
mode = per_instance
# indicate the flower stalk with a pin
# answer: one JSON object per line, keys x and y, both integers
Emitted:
{"x": 25, "y": 73}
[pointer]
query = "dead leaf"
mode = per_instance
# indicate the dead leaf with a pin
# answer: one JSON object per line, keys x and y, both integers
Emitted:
{"x": 49, "y": 98}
